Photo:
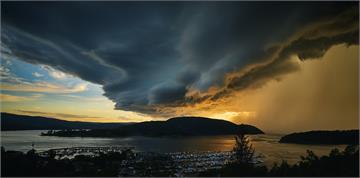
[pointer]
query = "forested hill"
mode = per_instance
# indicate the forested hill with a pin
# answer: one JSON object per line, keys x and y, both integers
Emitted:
{"x": 323, "y": 137}
{"x": 180, "y": 126}
{"x": 24, "y": 122}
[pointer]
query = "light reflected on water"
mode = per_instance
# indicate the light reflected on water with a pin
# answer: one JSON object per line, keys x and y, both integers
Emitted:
{"x": 273, "y": 151}
{"x": 266, "y": 145}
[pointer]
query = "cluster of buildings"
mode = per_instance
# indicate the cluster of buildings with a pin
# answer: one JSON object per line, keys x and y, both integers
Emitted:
{"x": 70, "y": 153}
{"x": 189, "y": 163}
{"x": 174, "y": 164}
{"x": 150, "y": 163}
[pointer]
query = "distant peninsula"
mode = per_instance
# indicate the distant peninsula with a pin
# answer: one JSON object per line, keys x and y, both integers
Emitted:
{"x": 23, "y": 122}
{"x": 349, "y": 137}
{"x": 180, "y": 126}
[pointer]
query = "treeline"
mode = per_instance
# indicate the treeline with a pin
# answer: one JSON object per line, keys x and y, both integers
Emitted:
{"x": 344, "y": 164}
{"x": 336, "y": 164}
{"x": 30, "y": 164}
{"x": 110, "y": 164}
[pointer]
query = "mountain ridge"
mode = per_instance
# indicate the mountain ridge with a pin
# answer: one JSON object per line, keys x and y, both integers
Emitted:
{"x": 179, "y": 126}
{"x": 14, "y": 122}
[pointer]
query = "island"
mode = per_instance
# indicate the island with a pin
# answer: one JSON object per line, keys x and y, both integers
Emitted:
{"x": 349, "y": 137}
{"x": 179, "y": 126}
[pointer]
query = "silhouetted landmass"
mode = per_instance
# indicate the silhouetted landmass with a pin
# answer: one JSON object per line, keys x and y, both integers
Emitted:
{"x": 13, "y": 163}
{"x": 23, "y": 122}
{"x": 180, "y": 126}
{"x": 336, "y": 164}
{"x": 18, "y": 164}
{"x": 323, "y": 137}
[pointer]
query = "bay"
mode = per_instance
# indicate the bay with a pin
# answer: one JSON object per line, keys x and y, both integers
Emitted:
{"x": 265, "y": 145}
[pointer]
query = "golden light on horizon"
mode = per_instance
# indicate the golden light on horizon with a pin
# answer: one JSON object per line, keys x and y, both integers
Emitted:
{"x": 322, "y": 94}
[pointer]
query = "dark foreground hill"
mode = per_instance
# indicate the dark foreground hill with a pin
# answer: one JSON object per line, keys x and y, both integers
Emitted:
{"x": 23, "y": 122}
{"x": 323, "y": 137}
{"x": 181, "y": 126}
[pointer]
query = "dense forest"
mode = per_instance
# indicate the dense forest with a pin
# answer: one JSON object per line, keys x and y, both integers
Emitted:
{"x": 323, "y": 137}
{"x": 336, "y": 164}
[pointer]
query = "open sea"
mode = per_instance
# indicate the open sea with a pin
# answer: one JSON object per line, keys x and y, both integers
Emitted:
{"x": 265, "y": 145}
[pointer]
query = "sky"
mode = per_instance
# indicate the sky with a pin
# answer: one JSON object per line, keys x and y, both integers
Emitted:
{"x": 281, "y": 66}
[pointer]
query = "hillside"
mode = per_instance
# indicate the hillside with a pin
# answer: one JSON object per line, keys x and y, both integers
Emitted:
{"x": 181, "y": 126}
{"x": 23, "y": 122}
{"x": 323, "y": 137}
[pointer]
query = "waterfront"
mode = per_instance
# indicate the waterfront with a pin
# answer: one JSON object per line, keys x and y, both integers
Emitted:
{"x": 138, "y": 163}
{"x": 265, "y": 145}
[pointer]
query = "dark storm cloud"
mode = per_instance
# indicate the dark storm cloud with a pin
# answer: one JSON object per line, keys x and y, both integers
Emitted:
{"x": 167, "y": 93}
{"x": 309, "y": 45}
{"x": 152, "y": 53}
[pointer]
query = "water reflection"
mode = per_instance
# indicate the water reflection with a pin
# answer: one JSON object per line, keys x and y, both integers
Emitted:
{"x": 273, "y": 151}
{"x": 266, "y": 145}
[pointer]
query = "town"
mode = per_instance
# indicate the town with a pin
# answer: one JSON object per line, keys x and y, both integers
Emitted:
{"x": 141, "y": 163}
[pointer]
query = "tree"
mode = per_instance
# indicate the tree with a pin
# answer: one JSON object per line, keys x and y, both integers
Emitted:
{"x": 243, "y": 150}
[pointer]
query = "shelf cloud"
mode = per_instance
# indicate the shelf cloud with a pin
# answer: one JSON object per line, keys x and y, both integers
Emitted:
{"x": 153, "y": 58}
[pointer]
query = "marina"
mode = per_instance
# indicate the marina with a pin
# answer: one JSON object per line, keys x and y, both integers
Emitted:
{"x": 139, "y": 163}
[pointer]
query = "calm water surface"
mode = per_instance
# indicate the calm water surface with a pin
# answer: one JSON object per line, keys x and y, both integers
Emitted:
{"x": 266, "y": 145}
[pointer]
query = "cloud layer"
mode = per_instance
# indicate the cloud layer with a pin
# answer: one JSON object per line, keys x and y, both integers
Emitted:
{"x": 152, "y": 57}
{"x": 14, "y": 98}
{"x": 62, "y": 115}
{"x": 12, "y": 82}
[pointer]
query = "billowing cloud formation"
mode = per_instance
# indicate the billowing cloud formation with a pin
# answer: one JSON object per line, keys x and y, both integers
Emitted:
{"x": 12, "y": 82}
{"x": 54, "y": 73}
{"x": 153, "y": 56}
{"x": 307, "y": 44}
{"x": 324, "y": 94}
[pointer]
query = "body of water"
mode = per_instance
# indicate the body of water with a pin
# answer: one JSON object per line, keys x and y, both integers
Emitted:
{"x": 266, "y": 145}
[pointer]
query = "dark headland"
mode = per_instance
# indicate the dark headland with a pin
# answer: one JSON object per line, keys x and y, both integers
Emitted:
{"x": 23, "y": 122}
{"x": 349, "y": 137}
{"x": 180, "y": 126}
